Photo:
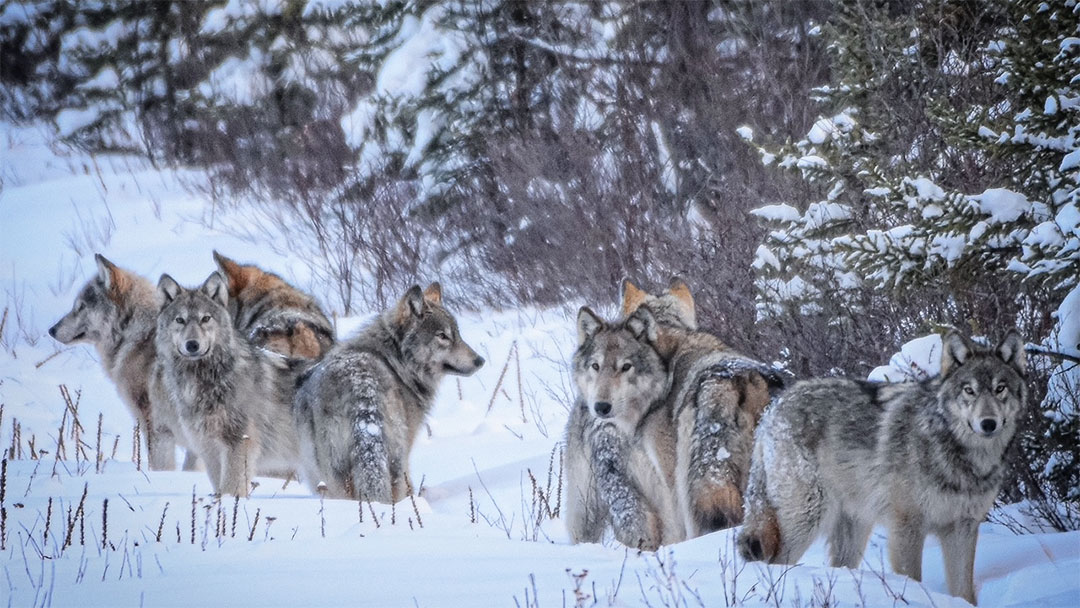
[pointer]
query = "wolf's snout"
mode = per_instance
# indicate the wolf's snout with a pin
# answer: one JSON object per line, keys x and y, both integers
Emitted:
{"x": 603, "y": 409}
{"x": 478, "y": 361}
{"x": 52, "y": 331}
{"x": 988, "y": 425}
{"x": 191, "y": 346}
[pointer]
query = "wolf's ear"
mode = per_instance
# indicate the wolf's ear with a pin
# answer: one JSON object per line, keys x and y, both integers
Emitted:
{"x": 168, "y": 288}
{"x": 105, "y": 270}
{"x": 681, "y": 292}
{"x": 216, "y": 288}
{"x": 587, "y": 324}
{"x": 234, "y": 273}
{"x": 632, "y": 297}
{"x": 955, "y": 349}
{"x": 643, "y": 325}
{"x": 433, "y": 294}
{"x": 412, "y": 303}
{"x": 1011, "y": 351}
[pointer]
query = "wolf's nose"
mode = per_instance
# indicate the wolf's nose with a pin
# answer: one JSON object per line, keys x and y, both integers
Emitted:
{"x": 52, "y": 331}
{"x": 478, "y": 361}
{"x": 191, "y": 346}
{"x": 603, "y": 409}
{"x": 988, "y": 425}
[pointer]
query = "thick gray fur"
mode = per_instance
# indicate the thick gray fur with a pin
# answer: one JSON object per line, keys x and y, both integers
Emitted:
{"x": 359, "y": 409}
{"x": 230, "y": 399}
{"x": 620, "y": 460}
{"x": 116, "y": 312}
{"x": 837, "y": 456}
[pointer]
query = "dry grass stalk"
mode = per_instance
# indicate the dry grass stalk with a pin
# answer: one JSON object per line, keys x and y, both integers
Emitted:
{"x": 161, "y": 524}
{"x": 3, "y": 504}
{"x": 194, "y": 510}
{"x": 254, "y": 525}
{"x": 502, "y": 375}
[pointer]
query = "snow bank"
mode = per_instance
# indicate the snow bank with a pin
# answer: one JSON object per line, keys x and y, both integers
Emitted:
{"x": 487, "y": 463}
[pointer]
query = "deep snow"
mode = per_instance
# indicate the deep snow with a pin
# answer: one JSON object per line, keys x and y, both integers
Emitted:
{"x": 472, "y": 538}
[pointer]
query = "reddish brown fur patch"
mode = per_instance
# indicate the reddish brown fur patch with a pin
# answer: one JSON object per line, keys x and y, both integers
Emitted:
{"x": 234, "y": 274}
{"x": 304, "y": 343}
{"x": 769, "y": 535}
{"x": 755, "y": 397}
{"x": 247, "y": 280}
{"x": 120, "y": 284}
{"x": 723, "y": 500}
{"x": 632, "y": 297}
{"x": 433, "y": 294}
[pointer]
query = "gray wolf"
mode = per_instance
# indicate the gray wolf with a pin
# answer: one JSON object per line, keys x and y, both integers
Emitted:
{"x": 273, "y": 314}
{"x": 620, "y": 455}
{"x": 360, "y": 408}
{"x": 116, "y": 312}
{"x": 716, "y": 399}
{"x": 836, "y": 456}
{"x": 231, "y": 399}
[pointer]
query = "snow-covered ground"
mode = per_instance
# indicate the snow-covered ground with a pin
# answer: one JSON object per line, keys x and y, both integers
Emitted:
{"x": 479, "y": 534}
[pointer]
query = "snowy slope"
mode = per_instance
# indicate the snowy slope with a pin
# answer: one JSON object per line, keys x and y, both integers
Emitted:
{"x": 478, "y": 535}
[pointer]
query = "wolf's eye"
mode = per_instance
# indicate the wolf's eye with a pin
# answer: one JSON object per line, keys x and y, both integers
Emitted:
{"x": 968, "y": 390}
{"x": 205, "y": 319}
{"x": 1000, "y": 389}
{"x": 626, "y": 367}
{"x": 442, "y": 335}
{"x": 180, "y": 320}
{"x": 595, "y": 366}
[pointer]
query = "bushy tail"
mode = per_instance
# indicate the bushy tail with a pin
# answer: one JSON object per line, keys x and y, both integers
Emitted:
{"x": 716, "y": 416}
{"x": 759, "y": 539}
{"x": 369, "y": 460}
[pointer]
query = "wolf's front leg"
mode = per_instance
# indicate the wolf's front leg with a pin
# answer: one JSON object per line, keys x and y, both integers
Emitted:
{"x": 958, "y": 550}
{"x": 213, "y": 456}
{"x": 237, "y": 466}
{"x": 586, "y": 517}
{"x": 635, "y": 522}
{"x": 906, "y": 536}
{"x": 160, "y": 447}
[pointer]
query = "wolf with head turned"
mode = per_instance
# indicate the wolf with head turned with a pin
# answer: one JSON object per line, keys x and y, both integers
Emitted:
{"x": 116, "y": 312}
{"x": 360, "y": 408}
{"x": 717, "y": 397}
{"x": 232, "y": 399}
{"x": 620, "y": 441}
{"x": 273, "y": 314}
{"x": 836, "y": 456}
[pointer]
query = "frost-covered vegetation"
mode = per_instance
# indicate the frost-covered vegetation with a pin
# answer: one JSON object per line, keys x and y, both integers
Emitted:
{"x": 838, "y": 181}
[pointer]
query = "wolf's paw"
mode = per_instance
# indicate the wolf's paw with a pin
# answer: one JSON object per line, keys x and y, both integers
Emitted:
{"x": 718, "y": 507}
{"x": 644, "y": 534}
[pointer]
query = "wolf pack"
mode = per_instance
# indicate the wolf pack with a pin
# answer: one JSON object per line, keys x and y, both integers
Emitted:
{"x": 672, "y": 435}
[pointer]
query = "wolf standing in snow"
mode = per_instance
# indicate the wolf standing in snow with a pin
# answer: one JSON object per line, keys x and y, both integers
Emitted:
{"x": 836, "y": 456}
{"x": 273, "y": 314}
{"x": 232, "y": 399}
{"x": 359, "y": 410}
{"x": 116, "y": 311}
{"x": 620, "y": 442}
{"x": 716, "y": 398}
